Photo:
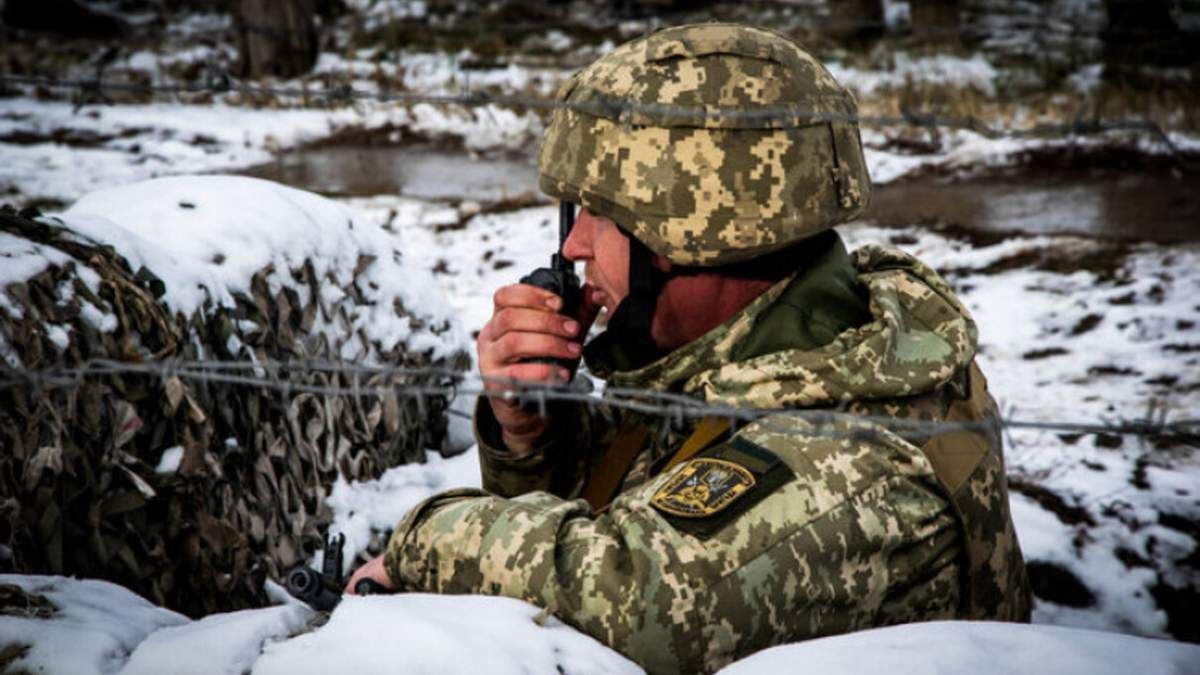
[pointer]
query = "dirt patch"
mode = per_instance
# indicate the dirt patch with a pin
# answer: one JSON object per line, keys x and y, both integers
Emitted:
{"x": 1036, "y": 354}
{"x": 1182, "y": 606}
{"x": 1068, "y": 514}
{"x": 1131, "y": 558}
{"x": 948, "y": 229}
{"x": 1180, "y": 523}
{"x": 388, "y": 135}
{"x": 40, "y": 204}
{"x": 1054, "y": 583}
{"x": 1112, "y": 370}
{"x": 1105, "y": 260}
{"x": 75, "y": 138}
{"x": 1106, "y": 158}
{"x": 1139, "y": 478}
{"x": 903, "y": 240}
{"x": 1086, "y": 324}
{"x": 1163, "y": 380}
{"x": 16, "y": 601}
{"x": 11, "y": 653}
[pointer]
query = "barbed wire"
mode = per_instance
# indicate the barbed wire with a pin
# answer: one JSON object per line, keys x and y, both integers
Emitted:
{"x": 995, "y": 33}
{"x": 420, "y": 384}
{"x": 972, "y": 29}
{"x": 218, "y": 81}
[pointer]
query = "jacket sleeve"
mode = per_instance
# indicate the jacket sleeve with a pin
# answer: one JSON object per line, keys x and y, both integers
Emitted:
{"x": 558, "y": 464}
{"x": 859, "y": 535}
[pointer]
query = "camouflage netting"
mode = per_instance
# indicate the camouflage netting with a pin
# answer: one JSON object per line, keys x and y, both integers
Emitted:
{"x": 81, "y": 490}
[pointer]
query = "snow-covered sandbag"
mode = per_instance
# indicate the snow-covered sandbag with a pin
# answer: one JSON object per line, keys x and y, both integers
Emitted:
{"x": 972, "y": 647}
{"x": 420, "y": 633}
{"x": 72, "y": 626}
{"x": 186, "y": 490}
{"x": 219, "y": 644}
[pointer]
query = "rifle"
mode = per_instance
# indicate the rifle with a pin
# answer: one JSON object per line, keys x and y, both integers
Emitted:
{"x": 323, "y": 590}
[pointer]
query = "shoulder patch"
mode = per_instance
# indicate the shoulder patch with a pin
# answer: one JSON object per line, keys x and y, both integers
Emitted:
{"x": 711, "y": 489}
{"x": 703, "y": 487}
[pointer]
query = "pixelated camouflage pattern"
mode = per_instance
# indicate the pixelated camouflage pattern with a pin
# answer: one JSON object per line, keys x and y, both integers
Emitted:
{"x": 860, "y": 538}
{"x": 920, "y": 337}
{"x": 870, "y": 530}
{"x": 695, "y": 187}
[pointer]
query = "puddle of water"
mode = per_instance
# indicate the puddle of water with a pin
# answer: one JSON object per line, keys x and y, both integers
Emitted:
{"x": 423, "y": 173}
{"x": 1112, "y": 204}
{"x": 1119, "y": 205}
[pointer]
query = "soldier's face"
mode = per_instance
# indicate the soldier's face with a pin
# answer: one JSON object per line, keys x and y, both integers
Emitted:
{"x": 604, "y": 251}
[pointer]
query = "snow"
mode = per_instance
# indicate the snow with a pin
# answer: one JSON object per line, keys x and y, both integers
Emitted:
{"x": 96, "y": 627}
{"x": 145, "y": 141}
{"x": 230, "y": 642}
{"x": 364, "y": 506}
{"x": 24, "y": 259}
{"x": 102, "y": 628}
{"x": 171, "y": 457}
{"x": 897, "y": 15}
{"x": 434, "y": 634}
{"x": 491, "y": 250}
{"x": 976, "y": 647}
{"x": 387, "y": 10}
{"x": 974, "y": 72}
{"x": 207, "y": 236}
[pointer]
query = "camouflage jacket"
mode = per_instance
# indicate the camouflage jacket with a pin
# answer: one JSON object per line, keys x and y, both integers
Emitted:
{"x": 824, "y": 526}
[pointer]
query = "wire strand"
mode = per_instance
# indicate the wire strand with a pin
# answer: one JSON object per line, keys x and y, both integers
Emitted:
{"x": 418, "y": 383}
{"x": 221, "y": 83}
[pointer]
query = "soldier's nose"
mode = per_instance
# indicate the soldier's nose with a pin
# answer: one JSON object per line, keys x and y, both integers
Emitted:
{"x": 577, "y": 246}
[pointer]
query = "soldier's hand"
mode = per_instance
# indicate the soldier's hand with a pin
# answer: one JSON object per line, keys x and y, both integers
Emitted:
{"x": 373, "y": 570}
{"x": 525, "y": 325}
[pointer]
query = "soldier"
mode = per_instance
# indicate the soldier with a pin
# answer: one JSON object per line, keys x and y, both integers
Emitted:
{"x": 708, "y": 240}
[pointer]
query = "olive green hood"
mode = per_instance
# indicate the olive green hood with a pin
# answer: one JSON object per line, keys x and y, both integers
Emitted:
{"x": 914, "y": 337}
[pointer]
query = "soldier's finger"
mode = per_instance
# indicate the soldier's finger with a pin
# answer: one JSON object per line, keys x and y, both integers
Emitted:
{"x": 511, "y": 377}
{"x": 524, "y": 295}
{"x": 547, "y": 373}
{"x": 374, "y": 570}
{"x": 512, "y": 319}
{"x": 518, "y": 346}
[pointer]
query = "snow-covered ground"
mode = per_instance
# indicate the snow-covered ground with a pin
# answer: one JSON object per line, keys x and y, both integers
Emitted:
{"x": 101, "y": 628}
{"x": 1071, "y": 329}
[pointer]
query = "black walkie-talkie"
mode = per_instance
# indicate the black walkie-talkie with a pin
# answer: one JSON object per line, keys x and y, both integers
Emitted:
{"x": 560, "y": 278}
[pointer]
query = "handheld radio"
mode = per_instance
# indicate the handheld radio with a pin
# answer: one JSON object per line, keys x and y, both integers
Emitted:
{"x": 560, "y": 278}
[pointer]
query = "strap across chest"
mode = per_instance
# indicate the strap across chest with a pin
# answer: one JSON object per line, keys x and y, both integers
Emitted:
{"x": 606, "y": 479}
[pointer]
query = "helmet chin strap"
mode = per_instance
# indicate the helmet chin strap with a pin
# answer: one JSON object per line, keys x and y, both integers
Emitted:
{"x": 631, "y": 322}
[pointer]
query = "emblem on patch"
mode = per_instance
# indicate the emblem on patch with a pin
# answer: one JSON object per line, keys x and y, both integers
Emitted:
{"x": 703, "y": 487}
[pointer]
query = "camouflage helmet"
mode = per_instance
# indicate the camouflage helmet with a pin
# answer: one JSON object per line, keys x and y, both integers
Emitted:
{"x": 701, "y": 142}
